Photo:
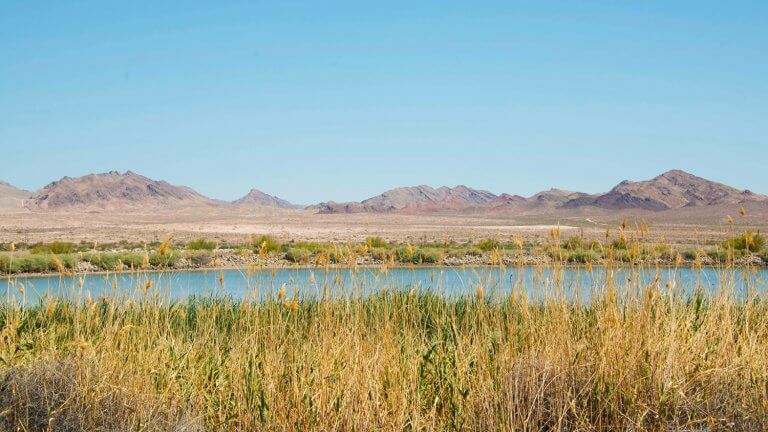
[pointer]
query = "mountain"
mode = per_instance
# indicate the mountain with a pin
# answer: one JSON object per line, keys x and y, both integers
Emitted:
{"x": 114, "y": 191}
{"x": 414, "y": 199}
{"x": 12, "y": 197}
{"x": 260, "y": 199}
{"x": 672, "y": 190}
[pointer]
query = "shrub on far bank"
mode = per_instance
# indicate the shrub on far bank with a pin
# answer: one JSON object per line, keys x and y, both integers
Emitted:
{"x": 749, "y": 241}
{"x": 37, "y": 263}
{"x": 573, "y": 243}
{"x": 200, "y": 258}
{"x": 407, "y": 255}
{"x": 56, "y": 247}
{"x": 265, "y": 243}
{"x": 298, "y": 255}
{"x": 201, "y": 244}
{"x": 113, "y": 260}
{"x": 381, "y": 254}
{"x": 376, "y": 242}
{"x": 487, "y": 245}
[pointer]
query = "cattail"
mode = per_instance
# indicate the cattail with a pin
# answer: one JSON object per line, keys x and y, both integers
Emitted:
{"x": 281, "y": 293}
{"x": 479, "y": 293}
{"x": 729, "y": 219}
{"x": 743, "y": 211}
{"x": 164, "y": 247}
{"x": 59, "y": 265}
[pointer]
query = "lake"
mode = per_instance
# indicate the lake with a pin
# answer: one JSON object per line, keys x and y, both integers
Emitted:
{"x": 315, "y": 283}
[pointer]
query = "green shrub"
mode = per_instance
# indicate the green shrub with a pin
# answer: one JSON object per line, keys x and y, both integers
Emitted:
{"x": 748, "y": 241}
{"x": 313, "y": 247}
{"x": 428, "y": 256}
{"x": 623, "y": 256}
{"x": 265, "y": 243}
{"x": 381, "y": 254}
{"x": 419, "y": 256}
{"x": 57, "y": 248}
{"x": 111, "y": 260}
{"x": 37, "y": 263}
{"x": 619, "y": 244}
{"x": 463, "y": 252}
{"x": 582, "y": 256}
{"x": 201, "y": 244}
{"x": 690, "y": 254}
{"x": 558, "y": 254}
{"x": 200, "y": 258}
{"x": 487, "y": 245}
{"x": 376, "y": 242}
{"x": 163, "y": 260}
{"x": 298, "y": 255}
{"x": 718, "y": 255}
{"x": 573, "y": 243}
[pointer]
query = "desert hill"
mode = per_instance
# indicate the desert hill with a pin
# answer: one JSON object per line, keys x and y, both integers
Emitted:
{"x": 414, "y": 199}
{"x": 257, "y": 198}
{"x": 113, "y": 191}
{"x": 11, "y": 197}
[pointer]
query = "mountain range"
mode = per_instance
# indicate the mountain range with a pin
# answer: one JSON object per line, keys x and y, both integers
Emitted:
{"x": 115, "y": 192}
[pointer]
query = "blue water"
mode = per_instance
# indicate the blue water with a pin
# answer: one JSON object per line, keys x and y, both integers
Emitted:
{"x": 316, "y": 283}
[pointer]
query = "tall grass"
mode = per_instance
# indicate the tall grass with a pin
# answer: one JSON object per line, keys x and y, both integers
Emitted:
{"x": 631, "y": 357}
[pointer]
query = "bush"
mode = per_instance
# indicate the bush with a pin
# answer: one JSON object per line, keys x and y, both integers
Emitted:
{"x": 718, "y": 255}
{"x": 619, "y": 244}
{"x": 37, "y": 263}
{"x": 159, "y": 260}
{"x": 111, "y": 260}
{"x": 419, "y": 256}
{"x": 265, "y": 243}
{"x": 487, "y": 245}
{"x": 56, "y": 248}
{"x": 313, "y": 247}
{"x": 582, "y": 256}
{"x": 429, "y": 256}
{"x": 298, "y": 255}
{"x": 376, "y": 242}
{"x": 573, "y": 243}
{"x": 200, "y": 258}
{"x": 381, "y": 254}
{"x": 690, "y": 254}
{"x": 201, "y": 244}
{"x": 749, "y": 241}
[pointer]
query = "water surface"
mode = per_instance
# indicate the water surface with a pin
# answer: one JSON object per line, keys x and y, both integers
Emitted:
{"x": 316, "y": 283}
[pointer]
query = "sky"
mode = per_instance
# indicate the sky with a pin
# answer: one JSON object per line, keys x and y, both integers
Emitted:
{"x": 315, "y": 101}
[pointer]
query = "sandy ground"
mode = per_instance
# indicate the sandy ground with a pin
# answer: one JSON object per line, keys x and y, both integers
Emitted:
{"x": 304, "y": 225}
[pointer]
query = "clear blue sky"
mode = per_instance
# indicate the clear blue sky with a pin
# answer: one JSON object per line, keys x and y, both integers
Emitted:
{"x": 342, "y": 100}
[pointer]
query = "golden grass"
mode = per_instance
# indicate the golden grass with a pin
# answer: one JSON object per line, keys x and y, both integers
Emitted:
{"x": 631, "y": 358}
